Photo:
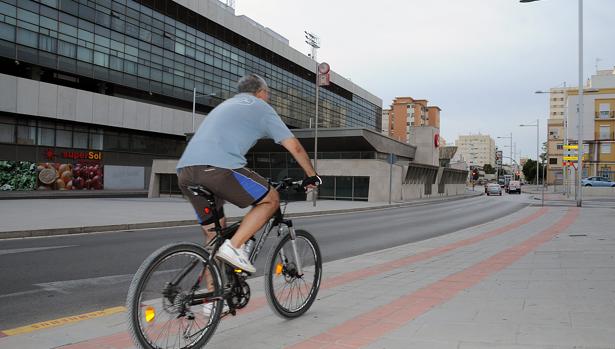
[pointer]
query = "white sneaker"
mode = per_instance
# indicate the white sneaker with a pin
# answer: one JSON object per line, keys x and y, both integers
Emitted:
{"x": 208, "y": 308}
{"x": 235, "y": 257}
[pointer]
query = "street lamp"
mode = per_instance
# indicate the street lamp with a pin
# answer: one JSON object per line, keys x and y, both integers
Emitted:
{"x": 511, "y": 146}
{"x": 537, "y": 125}
{"x": 578, "y": 193}
{"x": 314, "y": 41}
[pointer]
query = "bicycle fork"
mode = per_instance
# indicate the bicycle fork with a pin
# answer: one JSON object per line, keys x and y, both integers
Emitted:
{"x": 293, "y": 243}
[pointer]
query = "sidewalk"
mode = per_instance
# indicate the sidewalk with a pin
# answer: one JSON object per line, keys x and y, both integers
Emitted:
{"x": 539, "y": 278}
{"x": 40, "y": 217}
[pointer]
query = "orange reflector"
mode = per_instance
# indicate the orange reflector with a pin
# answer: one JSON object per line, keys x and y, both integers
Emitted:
{"x": 150, "y": 314}
{"x": 278, "y": 269}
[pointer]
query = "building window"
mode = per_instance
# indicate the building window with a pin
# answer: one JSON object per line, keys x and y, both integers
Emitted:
{"x": 552, "y": 161}
{"x": 7, "y": 32}
{"x": 605, "y": 108}
{"x": 605, "y": 132}
{"x": 64, "y": 137}
{"x": 560, "y": 146}
{"x": 27, "y": 38}
{"x": 26, "y": 132}
{"x": 46, "y": 136}
{"x": 80, "y": 139}
{"x": 605, "y": 148}
{"x": 7, "y": 130}
{"x": 84, "y": 54}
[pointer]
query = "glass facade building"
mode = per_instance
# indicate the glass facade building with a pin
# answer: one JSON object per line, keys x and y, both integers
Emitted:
{"x": 160, "y": 50}
{"x": 117, "y": 78}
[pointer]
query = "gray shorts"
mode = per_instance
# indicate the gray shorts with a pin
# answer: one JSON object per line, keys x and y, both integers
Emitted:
{"x": 241, "y": 187}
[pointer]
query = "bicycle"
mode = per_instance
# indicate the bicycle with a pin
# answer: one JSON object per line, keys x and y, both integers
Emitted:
{"x": 184, "y": 284}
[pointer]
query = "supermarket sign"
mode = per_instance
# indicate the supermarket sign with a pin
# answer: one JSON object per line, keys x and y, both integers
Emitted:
{"x": 74, "y": 155}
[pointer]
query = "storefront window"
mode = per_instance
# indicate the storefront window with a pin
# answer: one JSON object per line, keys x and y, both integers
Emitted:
{"x": 64, "y": 138}
{"x": 46, "y": 136}
{"x": 361, "y": 188}
{"x": 327, "y": 189}
{"x": 7, "y": 131}
{"x": 80, "y": 138}
{"x": 343, "y": 187}
{"x": 116, "y": 142}
{"x": 96, "y": 139}
{"x": 26, "y": 132}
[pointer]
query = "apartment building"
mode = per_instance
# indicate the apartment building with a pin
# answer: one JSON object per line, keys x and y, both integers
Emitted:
{"x": 598, "y": 124}
{"x": 385, "y": 121}
{"x": 477, "y": 150}
{"x": 407, "y": 112}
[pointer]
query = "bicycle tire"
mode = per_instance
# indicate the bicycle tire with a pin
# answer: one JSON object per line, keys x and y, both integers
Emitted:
{"x": 134, "y": 302}
{"x": 272, "y": 272}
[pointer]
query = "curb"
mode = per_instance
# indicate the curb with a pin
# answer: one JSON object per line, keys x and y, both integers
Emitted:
{"x": 189, "y": 222}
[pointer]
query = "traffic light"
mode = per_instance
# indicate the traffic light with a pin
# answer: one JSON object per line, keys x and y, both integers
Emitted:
{"x": 474, "y": 174}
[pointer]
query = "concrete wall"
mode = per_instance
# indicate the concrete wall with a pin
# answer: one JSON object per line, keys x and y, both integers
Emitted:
{"x": 30, "y": 97}
{"x": 159, "y": 167}
{"x": 377, "y": 170}
{"x": 423, "y": 138}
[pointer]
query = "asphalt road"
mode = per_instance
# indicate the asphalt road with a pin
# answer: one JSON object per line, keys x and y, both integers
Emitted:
{"x": 47, "y": 278}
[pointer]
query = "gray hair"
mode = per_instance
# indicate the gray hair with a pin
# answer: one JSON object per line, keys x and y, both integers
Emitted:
{"x": 251, "y": 83}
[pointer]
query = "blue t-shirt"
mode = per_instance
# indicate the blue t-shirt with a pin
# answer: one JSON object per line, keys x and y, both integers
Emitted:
{"x": 230, "y": 130}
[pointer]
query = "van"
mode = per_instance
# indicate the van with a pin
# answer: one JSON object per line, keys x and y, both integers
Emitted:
{"x": 514, "y": 187}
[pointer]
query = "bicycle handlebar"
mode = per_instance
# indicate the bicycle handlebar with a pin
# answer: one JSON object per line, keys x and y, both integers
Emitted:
{"x": 286, "y": 183}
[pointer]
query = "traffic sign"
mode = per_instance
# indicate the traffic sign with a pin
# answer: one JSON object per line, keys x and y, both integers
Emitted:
{"x": 324, "y": 79}
{"x": 571, "y": 158}
{"x": 324, "y": 68}
{"x": 571, "y": 146}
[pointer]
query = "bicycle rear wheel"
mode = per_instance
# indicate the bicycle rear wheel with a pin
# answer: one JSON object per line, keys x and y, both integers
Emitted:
{"x": 162, "y": 310}
{"x": 289, "y": 293}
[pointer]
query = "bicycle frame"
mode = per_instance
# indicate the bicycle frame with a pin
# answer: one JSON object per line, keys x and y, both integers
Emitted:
{"x": 277, "y": 221}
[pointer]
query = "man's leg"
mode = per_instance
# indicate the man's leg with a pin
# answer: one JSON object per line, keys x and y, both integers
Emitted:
{"x": 256, "y": 218}
{"x": 208, "y": 236}
{"x": 208, "y": 231}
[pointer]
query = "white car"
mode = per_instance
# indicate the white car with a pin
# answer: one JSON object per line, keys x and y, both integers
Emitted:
{"x": 494, "y": 189}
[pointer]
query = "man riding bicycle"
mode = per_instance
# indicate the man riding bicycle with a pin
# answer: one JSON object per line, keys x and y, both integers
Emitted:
{"x": 215, "y": 158}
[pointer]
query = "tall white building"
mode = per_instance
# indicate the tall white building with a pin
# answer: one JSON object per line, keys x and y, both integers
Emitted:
{"x": 476, "y": 150}
{"x": 385, "y": 121}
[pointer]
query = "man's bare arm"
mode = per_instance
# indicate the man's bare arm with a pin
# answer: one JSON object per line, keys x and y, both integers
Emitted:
{"x": 298, "y": 152}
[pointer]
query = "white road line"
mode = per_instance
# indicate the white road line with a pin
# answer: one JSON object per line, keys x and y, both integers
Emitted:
{"x": 32, "y": 249}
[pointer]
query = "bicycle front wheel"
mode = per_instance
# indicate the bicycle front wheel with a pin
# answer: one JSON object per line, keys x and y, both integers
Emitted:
{"x": 289, "y": 292}
{"x": 172, "y": 299}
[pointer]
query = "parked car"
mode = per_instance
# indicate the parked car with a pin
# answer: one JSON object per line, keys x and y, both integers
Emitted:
{"x": 494, "y": 189}
{"x": 597, "y": 182}
{"x": 514, "y": 187}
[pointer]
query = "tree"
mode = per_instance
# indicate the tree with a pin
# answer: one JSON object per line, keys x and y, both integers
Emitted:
{"x": 529, "y": 171}
{"x": 488, "y": 169}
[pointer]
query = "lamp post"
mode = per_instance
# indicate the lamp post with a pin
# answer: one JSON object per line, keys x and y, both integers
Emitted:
{"x": 511, "y": 147}
{"x": 578, "y": 193}
{"x": 537, "y": 125}
{"x": 314, "y": 41}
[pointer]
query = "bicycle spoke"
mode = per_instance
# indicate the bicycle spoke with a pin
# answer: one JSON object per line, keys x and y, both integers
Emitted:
{"x": 166, "y": 318}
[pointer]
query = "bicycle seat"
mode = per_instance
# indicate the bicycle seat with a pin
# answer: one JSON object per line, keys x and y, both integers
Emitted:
{"x": 199, "y": 190}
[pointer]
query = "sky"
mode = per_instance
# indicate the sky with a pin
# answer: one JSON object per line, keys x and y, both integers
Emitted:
{"x": 480, "y": 61}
